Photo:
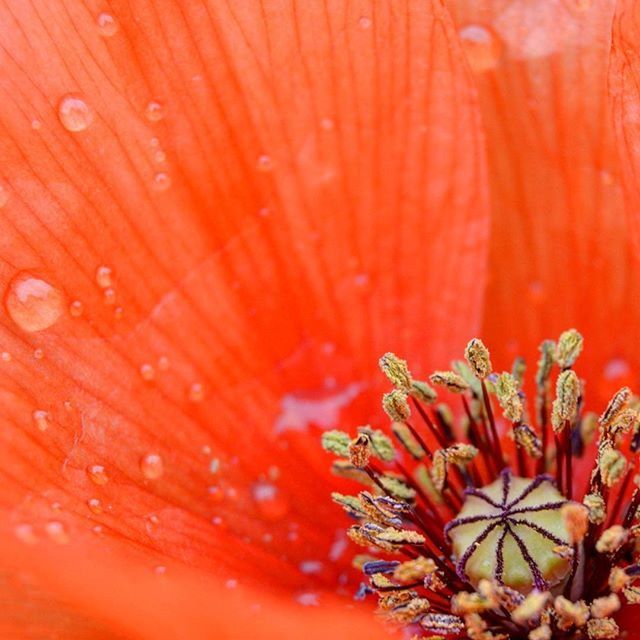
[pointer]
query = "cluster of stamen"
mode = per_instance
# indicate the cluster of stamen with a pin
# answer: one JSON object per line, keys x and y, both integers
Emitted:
{"x": 475, "y": 527}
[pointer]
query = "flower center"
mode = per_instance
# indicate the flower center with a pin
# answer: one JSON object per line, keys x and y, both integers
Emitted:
{"x": 512, "y": 531}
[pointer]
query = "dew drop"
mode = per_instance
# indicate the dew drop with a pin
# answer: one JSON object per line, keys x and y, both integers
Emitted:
{"x": 482, "y": 47}
{"x": 25, "y": 533}
{"x": 32, "y": 303}
{"x": 118, "y": 312}
{"x": 159, "y": 156}
{"x": 97, "y": 529}
{"x": 161, "y": 181}
{"x": 327, "y": 124}
{"x": 95, "y": 505}
{"x": 56, "y": 532}
{"x": 154, "y": 111}
{"x": 163, "y": 363}
{"x": 38, "y": 354}
{"x": 76, "y": 308}
{"x": 104, "y": 276}
{"x": 265, "y": 163}
{"x": 109, "y": 296}
{"x": 4, "y": 196}
{"x": 308, "y": 599}
{"x": 74, "y": 113}
{"x": 160, "y": 570}
{"x": 214, "y": 466}
{"x": 151, "y": 466}
{"x": 41, "y": 419}
{"x": 271, "y": 504}
{"x": 147, "y": 372}
{"x": 107, "y": 25}
{"x": 6, "y": 356}
{"x": 36, "y": 124}
{"x": 196, "y": 392}
{"x": 364, "y": 22}
{"x": 97, "y": 474}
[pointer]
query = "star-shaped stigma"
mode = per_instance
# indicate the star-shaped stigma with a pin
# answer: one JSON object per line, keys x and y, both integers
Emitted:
{"x": 511, "y": 526}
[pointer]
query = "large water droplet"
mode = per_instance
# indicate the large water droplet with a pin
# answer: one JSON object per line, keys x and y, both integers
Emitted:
{"x": 104, "y": 276}
{"x": 151, "y": 466}
{"x": 147, "y": 372}
{"x": 33, "y": 303}
{"x": 25, "y": 533}
{"x": 74, "y": 113}
{"x": 161, "y": 181}
{"x": 41, "y": 419}
{"x": 265, "y": 163}
{"x": 270, "y": 502}
{"x": 97, "y": 474}
{"x": 107, "y": 25}
{"x": 482, "y": 47}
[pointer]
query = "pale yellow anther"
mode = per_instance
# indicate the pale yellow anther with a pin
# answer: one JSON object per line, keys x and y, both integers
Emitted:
{"x": 565, "y": 406}
{"x": 603, "y": 629}
{"x": 612, "y": 539}
{"x": 422, "y": 391}
{"x": 452, "y": 381}
{"x": 612, "y": 465}
{"x": 396, "y": 371}
{"x": 570, "y": 613}
{"x": 545, "y": 364}
{"x": 395, "y": 405}
{"x": 568, "y": 348}
{"x": 477, "y": 356}
{"x": 360, "y": 451}
{"x": 616, "y": 404}
{"x": 543, "y": 632}
{"x": 506, "y": 389}
{"x": 618, "y": 579}
{"x": 605, "y": 606}
{"x": 596, "y": 506}
{"x": 576, "y": 520}
{"x": 531, "y": 607}
{"x": 527, "y": 439}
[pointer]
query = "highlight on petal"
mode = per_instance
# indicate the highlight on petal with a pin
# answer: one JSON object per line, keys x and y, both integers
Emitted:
{"x": 560, "y": 252}
{"x": 216, "y": 216}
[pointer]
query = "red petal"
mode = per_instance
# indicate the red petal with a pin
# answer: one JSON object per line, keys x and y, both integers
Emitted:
{"x": 313, "y": 196}
{"x": 559, "y": 255}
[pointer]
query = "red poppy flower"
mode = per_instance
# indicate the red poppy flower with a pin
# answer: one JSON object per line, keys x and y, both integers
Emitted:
{"x": 216, "y": 216}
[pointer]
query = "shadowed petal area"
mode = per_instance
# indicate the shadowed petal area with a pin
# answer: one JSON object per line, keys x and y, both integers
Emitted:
{"x": 560, "y": 254}
{"x": 216, "y": 217}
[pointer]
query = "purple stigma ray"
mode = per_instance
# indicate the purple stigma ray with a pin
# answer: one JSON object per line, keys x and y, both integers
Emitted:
{"x": 466, "y": 556}
{"x": 500, "y": 561}
{"x": 539, "y": 582}
{"x": 537, "y": 481}
{"x": 478, "y": 493}
{"x": 538, "y": 529}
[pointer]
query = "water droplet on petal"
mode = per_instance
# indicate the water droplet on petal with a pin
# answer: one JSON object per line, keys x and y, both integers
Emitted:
{"x": 36, "y": 124}
{"x": 163, "y": 363}
{"x": 107, "y": 25}
{"x": 159, "y": 156}
{"x": 97, "y": 474}
{"x": 160, "y": 570}
{"x": 104, "y": 276}
{"x": 196, "y": 392}
{"x": 109, "y": 296}
{"x": 265, "y": 163}
{"x": 482, "y": 47}
{"x": 6, "y": 356}
{"x": 308, "y": 599}
{"x": 56, "y": 532}
{"x": 97, "y": 529}
{"x": 38, "y": 354}
{"x": 231, "y": 583}
{"x": 95, "y": 505}
{"x": 147, "y": 372}
{"x": 4, "y": 196}
{"x": 364, "y": 22}
{"x": 74, "y": 113}
{"x": 76, "y": 308}
{"x": 271, "y": 504}
{"x": 33, "y": 303}
{"x": 25, "y": 533}
{"x": 118, "y": 312}
{"x": 41, "y": 419}
{"x": 161, "y": 182}
{"x": 154, "y": 111}
{"x": 327, "y": 124}
{"x": 151, "y": 466}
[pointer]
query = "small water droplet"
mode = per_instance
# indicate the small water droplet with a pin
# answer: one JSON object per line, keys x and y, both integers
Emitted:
{"x": 231, "y": 583}
{"x": 159, "y": 156}
{"x": 97, "y": 474}
{"x": 308, "y": 599}
{"x": 327, "y": 124}
{"x": 104, "y": 276}
{"x": 161, "y": 181}
{"x": 482, "y": 47}
{"x": 151, "y": 466}
{"x": 6, "y": 356}
{"x": 4, "y": 196}
{"x": 36, "y": 124}
{"x": 25, "y": 533}
{"x": 310, "y": 567}
{"x": 32, "y": 303}
{"x": 163, "y": 363}
{"x": 74, "y": 113}
{"x": 41, "y": 419}
{"x": 265, "y": 163}
{"x": 160, "y": 570}
{"x": 196, "y": 392}
{"x": 56, "y": 506}
{"x": 107, "y": 25}
{"x": 76, "y": 308}
{"x": 147, "y": 372}
{"x": 97, "y": 529}
{"x": 109, "y": 296}
{"x": 216, "y": 520}
{"x": 56, "y": 532}
{"x": 364, "y": 22}
{"x": 214, "y": 466}
{"x": 118, "y": 312}
{"x": 271, "y": 504}
{"x": 38, "y": 354}
{"x": 154, "y": 111}
{"x": 95, "y": 505}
